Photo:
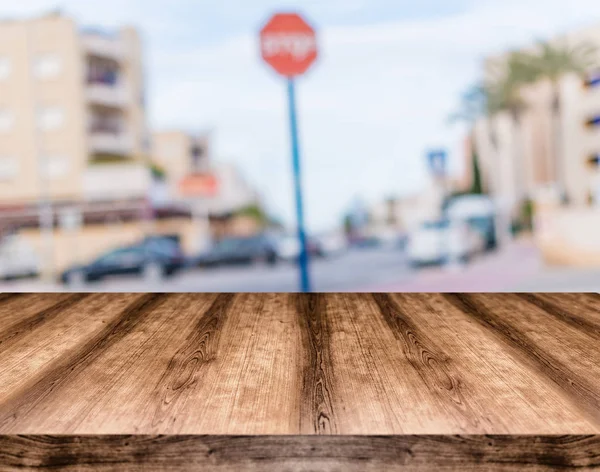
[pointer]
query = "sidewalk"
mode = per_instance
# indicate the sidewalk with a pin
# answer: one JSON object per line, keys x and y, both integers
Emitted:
{"x": 562, "y": 279}
{"x": 499, "y": 272}
{"x": 29, "y": 286}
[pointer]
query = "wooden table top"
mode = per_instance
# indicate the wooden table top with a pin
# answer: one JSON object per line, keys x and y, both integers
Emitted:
{"x": 269, "y": 364}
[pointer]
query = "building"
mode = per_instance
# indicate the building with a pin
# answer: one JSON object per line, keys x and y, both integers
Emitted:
{"x": 551, "y": 163}
{"x": 546, "y": 162}
{"x": 179, "y": 154}
{"x": 387, "y": 218}
{"x": 76, "y": 157}
{"x": 185, "y": 160}
{"x": 72, "y": 115}
{"x": 464, "y": 180}
{"x": 73, "y": 136}
{"x": 214, "y": 191}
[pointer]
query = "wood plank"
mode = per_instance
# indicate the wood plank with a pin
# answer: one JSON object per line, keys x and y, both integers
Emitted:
{"x": 300, "y": 453}
{"x": 317, "y": 396}
{"x": 251, "y": 386}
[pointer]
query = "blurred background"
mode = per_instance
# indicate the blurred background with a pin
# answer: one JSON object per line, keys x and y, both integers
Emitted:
{"x": 447, "y": 145}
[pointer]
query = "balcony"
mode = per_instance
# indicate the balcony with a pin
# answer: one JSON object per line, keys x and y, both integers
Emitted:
{"x": 114, "y": 181}
{"x": 112, "y": 96}
{"x": 118, "y": 144}
{"x": 102, "y": 45}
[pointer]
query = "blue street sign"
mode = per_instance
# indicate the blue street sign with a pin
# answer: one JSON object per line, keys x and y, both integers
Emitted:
{"x": 438, "y": 161}
{"x": 303, "y": 261}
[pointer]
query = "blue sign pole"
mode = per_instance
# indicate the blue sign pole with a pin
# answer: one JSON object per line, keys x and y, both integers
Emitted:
{"x": 303, "y": 261}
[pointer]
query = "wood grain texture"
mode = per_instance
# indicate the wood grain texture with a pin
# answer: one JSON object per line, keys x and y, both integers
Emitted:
{"x": 316, "y": 410}
{"x": 300, "y": 453}
{"x": 318, "y": 364}
{"x": 551, "y": 346}
{"x": 187, "y": 365}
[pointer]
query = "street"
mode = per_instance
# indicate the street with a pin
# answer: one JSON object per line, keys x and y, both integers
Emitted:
{"x": 352, "y": 270}
{"x": 349, "y": 271}
{"x": 517, "y": 268}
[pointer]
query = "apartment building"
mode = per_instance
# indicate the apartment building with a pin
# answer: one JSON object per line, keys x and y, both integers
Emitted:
{"x": 544, "y": 164}
{"x": 72, "y": 113}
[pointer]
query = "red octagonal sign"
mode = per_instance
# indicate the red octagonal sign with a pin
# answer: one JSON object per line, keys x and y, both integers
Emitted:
{"x": 288, "y": 44}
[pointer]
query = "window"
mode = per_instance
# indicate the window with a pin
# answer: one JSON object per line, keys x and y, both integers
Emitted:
{"x": 197, "y": 155}
{"x": 122, "y": 257}
{"x": 6, "y": 120}
{"x": 46, "y": 66}
{"x": 4, "y": 68}
{"x": 106, "y": 123}
{"x": 55, "y": 167}
{"x": 103, "y": 72}
{"x": 9, "y": 168}
{"x": 51, "y": 118}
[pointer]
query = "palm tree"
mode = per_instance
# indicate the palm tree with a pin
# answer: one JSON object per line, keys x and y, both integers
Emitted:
{"x": 504, "y": 94}
{"x": 552, "y": 61}
{"x": 474, "y": 104}
{"x": 500, "y": 92}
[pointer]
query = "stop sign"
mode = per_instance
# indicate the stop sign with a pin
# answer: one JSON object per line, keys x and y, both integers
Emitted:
{"x": 288, "y": 44}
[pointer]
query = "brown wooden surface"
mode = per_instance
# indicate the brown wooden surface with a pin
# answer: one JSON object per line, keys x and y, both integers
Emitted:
{"x": 376, "y": 374}
{"x": 301, "y": 453}
{"x": 299, "y": 364}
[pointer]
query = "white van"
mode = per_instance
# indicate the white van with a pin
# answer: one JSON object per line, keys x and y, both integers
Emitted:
{"x": 479, "y": 212}
{"x": 17, "y": 258}
{"x": 439, "y": 242}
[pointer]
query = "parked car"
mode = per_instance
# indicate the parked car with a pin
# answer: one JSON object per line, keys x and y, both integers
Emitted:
{"x": 332, "y": 244}
{"x": 17, "y": 258}
{"x": 164, "y": 243}
{"x": 479, "y": 212}
{"x": 363, "y": 242}
{"x": 288, "y": 247}
{"x": 441, "y": 241}
{"x": 151, "y": 259}
{"x": 240, "y": 250}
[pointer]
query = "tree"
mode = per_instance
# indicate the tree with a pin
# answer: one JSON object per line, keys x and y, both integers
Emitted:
{"x": 476, "y": 185}
{"x": 348, "y": 226}
{"x": 255, "y": 212}
{"x": 158, "y": 172}
{"x": 552, "y": 61}
{"x": 501, "y": 92}
{"x": 474, "y": 104}
{"x": 504, "y": 91}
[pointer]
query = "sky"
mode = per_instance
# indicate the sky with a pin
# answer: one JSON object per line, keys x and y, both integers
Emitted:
{"x": 388, "y": 76}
